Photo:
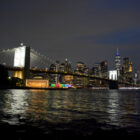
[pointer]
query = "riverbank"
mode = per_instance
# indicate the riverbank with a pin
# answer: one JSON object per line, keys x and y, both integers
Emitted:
{"x": 49, "y": 88}
{"x": 54, "y": 88}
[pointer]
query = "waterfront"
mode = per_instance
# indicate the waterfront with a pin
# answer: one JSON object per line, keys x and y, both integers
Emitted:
{"x": 106, "y": 109}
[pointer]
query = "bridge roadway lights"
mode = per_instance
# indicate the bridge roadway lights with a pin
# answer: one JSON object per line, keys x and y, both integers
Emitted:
{"x": 18, "y": 72}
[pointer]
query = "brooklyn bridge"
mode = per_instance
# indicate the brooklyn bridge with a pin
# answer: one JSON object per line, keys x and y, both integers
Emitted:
{"x": 24, "y": 62}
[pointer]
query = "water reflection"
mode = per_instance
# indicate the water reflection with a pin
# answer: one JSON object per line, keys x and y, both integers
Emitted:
{"x": 113, "y": 107}
{"x": 56, "y": 106}
{"x": 129, "y": 108}
{"x": 121, "y": 108}
{"x": 15, "y": 105}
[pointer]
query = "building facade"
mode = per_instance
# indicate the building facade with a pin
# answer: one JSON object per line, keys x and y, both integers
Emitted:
{"x": 127, "y": 71}
{"x": 81, "y": 81}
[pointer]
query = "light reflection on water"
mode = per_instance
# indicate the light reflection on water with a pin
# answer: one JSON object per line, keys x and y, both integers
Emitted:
{"x": 121, "y": 108}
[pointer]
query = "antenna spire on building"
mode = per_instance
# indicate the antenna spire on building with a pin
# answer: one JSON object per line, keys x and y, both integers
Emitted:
{"x": 117, "y": 54}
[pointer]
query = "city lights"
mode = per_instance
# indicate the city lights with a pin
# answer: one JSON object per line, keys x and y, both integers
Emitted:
{"x": 61, "y": 75}
{"x": 61, "y": 85}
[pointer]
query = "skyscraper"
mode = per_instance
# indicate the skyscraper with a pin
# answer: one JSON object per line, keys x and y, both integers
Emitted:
{"x": 117, "y": 60}
{"x": 81, "y": 69}
{"x": 127, "y": 70}
{"x": 118, "y": 63}
{"x": 104, "y": 68}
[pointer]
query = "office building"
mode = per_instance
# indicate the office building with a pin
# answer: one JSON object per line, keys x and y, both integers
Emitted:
{"x": 127, "y": 70}
{"x": 81, "y": 69}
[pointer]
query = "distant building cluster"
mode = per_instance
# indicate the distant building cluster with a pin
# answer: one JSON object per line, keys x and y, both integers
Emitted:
{"x": 122, "y": 71}
{"x": 99, "y": 69}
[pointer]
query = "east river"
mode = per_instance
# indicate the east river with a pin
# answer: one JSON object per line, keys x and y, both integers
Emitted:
{"x": 116, "y": 108}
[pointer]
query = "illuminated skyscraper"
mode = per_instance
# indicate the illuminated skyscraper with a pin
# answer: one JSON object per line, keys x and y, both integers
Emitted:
{"x": 81, "y": 69}
{"x": 104, "y": 68}
{"x": 127, "y": 69}
{"x": 54, "y": 78}
{"x": 67, "y": 68}
{"x": 117, "y": 61}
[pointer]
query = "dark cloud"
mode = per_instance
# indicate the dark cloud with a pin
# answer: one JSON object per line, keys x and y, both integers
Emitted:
{"x": 86, "y": 30}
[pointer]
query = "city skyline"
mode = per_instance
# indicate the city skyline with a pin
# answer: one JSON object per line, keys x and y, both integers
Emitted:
{"x": 117, "y": 61}
{"x": 89, "y": 31}
{"x": 69, "y": 69}
{"x": 63, "y": 74}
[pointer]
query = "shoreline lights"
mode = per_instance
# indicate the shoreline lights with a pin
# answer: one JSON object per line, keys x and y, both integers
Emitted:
{"x": 61, "y": 85}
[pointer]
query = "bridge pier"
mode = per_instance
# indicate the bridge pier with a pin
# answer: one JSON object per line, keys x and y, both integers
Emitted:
{"x": 113, "y": 84}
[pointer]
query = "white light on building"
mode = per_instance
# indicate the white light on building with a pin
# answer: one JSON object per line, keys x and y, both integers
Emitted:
{"x": 19, "y": 57}
{"x": 113, "y": 75}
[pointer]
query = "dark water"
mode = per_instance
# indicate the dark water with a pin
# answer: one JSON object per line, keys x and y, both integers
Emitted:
{"x": 119, "y": 108}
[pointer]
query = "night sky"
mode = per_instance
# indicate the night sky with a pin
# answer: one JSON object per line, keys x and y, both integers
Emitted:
{"x": 80, "y": 30}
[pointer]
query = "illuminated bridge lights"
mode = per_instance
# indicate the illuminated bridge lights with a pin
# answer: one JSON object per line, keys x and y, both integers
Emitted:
{"x": 35, "y": 70}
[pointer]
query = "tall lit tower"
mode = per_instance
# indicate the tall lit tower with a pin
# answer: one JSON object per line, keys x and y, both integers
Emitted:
{"x": 118, "y": 62}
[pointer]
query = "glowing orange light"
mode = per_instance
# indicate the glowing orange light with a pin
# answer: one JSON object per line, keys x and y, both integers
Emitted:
{"x": 34, "y": 83}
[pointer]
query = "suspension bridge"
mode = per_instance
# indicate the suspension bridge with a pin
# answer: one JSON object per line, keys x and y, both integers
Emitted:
{"x": 23, "y": 61}
{"x": 37, "y": 60}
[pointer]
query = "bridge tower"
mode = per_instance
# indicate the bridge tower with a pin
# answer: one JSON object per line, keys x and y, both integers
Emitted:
{"x": 113, "y": 79}
{"x": 22, "y": 60}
